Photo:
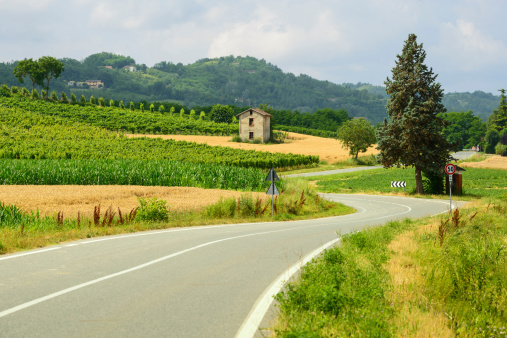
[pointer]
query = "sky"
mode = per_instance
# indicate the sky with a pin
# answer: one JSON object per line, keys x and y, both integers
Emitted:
{"x": 342, "y": 41}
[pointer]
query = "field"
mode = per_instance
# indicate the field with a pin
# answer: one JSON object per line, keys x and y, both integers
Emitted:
{"x": 328, "y": 150}
{"x": 493, "y": 162}
{"x": 71, "y": 199}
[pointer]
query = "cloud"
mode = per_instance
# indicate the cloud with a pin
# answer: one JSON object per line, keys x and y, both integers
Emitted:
{"x": 465, "y": 48}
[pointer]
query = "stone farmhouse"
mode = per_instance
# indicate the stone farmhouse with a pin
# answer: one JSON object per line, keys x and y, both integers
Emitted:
{"x": 254, "y": 124}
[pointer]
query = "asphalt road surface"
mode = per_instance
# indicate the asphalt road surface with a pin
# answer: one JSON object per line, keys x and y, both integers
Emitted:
{"x": 185, "y": 282}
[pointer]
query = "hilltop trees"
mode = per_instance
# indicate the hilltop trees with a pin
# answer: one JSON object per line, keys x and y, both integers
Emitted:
{"x": 44, "y": 69}
{"x": 31, "y": 69}
{"x": 498, "y": 118}
{"x": 413, "y": 135}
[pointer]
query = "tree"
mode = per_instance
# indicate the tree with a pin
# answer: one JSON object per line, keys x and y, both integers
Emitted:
{"x": 54, "y": 96}
{"x": 413, "y": 136}
{"x": 92, "y": 100}
{"x": 82, "y": 99}
{"x": 492, "y": 139}
{"x": 221, "y": 114}
{"x": 498, "y": 118}
{"x": 73, "y": 98}
{"x": 161, "y": 108}
{"x": 64, "y": 98}
{"x": 31, "y": 69}
{"x": 464, "y": 128}
{"x": 50, "y": 68}
{"x": 357, "y": 135}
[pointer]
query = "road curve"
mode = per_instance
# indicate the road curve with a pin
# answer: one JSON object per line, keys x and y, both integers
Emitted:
{"x": 184, "y": 282}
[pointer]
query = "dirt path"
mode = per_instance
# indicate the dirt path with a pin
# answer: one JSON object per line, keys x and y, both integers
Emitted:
{"x": 329, "y": 150}
{"x": 71, "y": 199}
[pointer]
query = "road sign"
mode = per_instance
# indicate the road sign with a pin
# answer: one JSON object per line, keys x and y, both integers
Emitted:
{"x": 450, "y": 169}
{"x": 272, "y": 176}
{"x": 450, "y": 178}
{"x": 272, "y": 190}
{"x": 398, "y": 184}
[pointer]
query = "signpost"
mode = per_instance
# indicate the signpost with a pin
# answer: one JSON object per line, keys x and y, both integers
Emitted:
{"x": 272, "y": 176}
{"x": 399, "y": 184}
{"x": 450, "y": 169}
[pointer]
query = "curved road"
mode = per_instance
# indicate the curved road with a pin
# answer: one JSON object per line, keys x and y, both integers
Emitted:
{"x": 186, "y": 282}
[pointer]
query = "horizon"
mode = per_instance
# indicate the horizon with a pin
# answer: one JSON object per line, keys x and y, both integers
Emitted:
{"x": 340, "y": 41}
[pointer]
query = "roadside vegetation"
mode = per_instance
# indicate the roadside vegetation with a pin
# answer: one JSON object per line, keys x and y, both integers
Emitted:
{"x": 443, "y": 276}
{"x": 21, "y": 231}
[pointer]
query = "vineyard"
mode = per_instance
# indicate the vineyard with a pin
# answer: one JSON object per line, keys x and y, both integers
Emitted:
{"x": 33, "y": 135}
{"x": 122, "y": 119}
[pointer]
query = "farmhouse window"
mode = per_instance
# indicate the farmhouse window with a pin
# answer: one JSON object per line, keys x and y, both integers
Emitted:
{"x": 250, "y": 122}
{"x": 250, "y": 135}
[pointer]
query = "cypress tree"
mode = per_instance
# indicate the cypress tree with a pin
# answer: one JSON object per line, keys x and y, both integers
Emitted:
{"x": 498, "y": 118}
{"x": 413, "y": 135}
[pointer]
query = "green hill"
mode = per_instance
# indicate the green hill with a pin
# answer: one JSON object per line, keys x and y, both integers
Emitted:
{"x": 240, "y": 81}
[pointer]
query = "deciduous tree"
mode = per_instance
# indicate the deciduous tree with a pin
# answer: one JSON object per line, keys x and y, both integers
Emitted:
{"x": 357, "y": 136}
{"x": 50, "y": 68}
{"x": 31, "y": 69}
{"x": 413, "y": 135}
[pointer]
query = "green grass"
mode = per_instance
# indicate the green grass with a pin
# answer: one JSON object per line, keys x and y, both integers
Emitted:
{"x": 477, "y": 183}
{"x": 462, "y": 263}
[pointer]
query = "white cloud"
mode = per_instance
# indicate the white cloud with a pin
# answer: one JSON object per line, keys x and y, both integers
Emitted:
{"x": 465, "y": 48}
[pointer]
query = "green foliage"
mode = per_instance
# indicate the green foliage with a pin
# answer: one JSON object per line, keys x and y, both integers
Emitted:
{"x": 92, "y": 100}
{"x": 498, "y": 118}
{"x": 343, "y": 293}
{"x": 501, "y": 149}
{"x": 111, "y": 103}
{"x": 221, "y": 114}
{"x": 161, "y": 108}
{"x": 492, "y": 139}
{"x": 467, "y": 266}
{"x": 4, "y": 91}
{"x": 82, "y": 99}
{"x": 14, "y": 90}
{"x": 357, "y": 135}
{"x": 54, "y": 96}
{"x": 64, "y": 97}
{"x": 413, "y": 136}
{"x": 35, "y": 94}
{"x": 31, "y": 69}
{"x": 464, "y": 129}
{"x": 152, "y": 209}
{"x": 50, "y": 68}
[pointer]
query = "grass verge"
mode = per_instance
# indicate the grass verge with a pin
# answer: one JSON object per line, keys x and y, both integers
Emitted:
{"x": 443, "y": 276}
{"x": 297, "y": 200}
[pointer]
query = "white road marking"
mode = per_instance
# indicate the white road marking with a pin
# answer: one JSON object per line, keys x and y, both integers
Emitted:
{"x": 254, "y": 318}
{"x": 95, "y": 281}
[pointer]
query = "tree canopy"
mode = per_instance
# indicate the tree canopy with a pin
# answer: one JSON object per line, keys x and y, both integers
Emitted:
{"x": 413, "y": 135}
{"x": 357, "y": 135}
{"x": 498, "y": 118}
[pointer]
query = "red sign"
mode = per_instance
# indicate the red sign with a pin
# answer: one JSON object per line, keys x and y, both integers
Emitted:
{"x": 450, "y": 169}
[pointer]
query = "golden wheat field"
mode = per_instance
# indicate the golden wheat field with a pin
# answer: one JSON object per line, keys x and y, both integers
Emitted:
{"x": 71, "y": 199}
{"x": 329, "y": 150}
{"x": 493, "y": 162}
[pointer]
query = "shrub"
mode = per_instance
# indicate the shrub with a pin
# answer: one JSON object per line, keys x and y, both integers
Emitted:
{"x": 54, "y": 96}
{"x": 35, "y": 94}
{"x": 501, "y": 149}
{"x": 64, "y": 98}
{"x": 4, "y": 91}
{"x": 236, "y": 138}
{"x": 152, "y": 209}
{"x": 14, "y": 90}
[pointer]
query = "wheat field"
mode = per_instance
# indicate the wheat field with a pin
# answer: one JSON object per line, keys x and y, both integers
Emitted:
{"x": 493, "y": 162}
{"x": 71, "y": 199}
{"x": 329, "y": 150}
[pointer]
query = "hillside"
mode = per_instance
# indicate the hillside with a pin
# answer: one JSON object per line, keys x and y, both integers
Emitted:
{"x": 240, "y": 81}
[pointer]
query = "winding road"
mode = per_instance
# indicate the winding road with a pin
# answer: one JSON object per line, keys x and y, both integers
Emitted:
{"x": 210, "y": 281}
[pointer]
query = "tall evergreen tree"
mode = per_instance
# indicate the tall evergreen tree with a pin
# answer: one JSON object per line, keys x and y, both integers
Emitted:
{"x": 413, "y": 135}
{"x": 498, "y": 118}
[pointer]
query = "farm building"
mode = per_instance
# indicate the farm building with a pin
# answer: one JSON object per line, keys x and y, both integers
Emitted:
{"x": 254, "y": 124}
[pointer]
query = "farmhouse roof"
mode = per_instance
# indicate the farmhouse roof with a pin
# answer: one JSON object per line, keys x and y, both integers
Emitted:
{"x": 257, "y": 110}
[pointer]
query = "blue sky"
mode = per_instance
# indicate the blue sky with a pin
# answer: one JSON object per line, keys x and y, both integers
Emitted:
{"x": 335, "y": 40}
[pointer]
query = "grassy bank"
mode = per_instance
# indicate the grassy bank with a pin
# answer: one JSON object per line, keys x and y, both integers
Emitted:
{"x": 22, "y": 231}
{"x": 443, "y": 276}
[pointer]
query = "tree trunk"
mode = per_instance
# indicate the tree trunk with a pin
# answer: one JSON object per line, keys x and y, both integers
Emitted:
{"x": 418, "y": 181}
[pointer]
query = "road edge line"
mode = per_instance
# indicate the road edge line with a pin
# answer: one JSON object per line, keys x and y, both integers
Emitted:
{"x": 261, "y": 306}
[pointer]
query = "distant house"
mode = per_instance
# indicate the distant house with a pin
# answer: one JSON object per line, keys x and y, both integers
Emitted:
{"x": 108, "y": 67}
{"x": 94, "y": 84}
{"x": 130, "y": 68}
{"x": 254, "y": 124}
{"x": 71, "y": 83}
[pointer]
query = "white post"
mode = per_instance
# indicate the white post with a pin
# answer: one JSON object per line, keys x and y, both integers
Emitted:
{"x": 450, "y": 193}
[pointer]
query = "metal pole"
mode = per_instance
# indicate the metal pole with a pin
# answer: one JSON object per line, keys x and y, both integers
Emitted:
{"x": 272, "y": 204}
{"x": 450, "y": 193}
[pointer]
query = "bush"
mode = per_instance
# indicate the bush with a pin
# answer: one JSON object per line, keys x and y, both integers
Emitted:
{"x": 14, "y": 90}
{"x": 152, "y": 209}
{"x": 236, "y": 138}
{"x": 501, "y": 149}
{"x": 4, "y": 91}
